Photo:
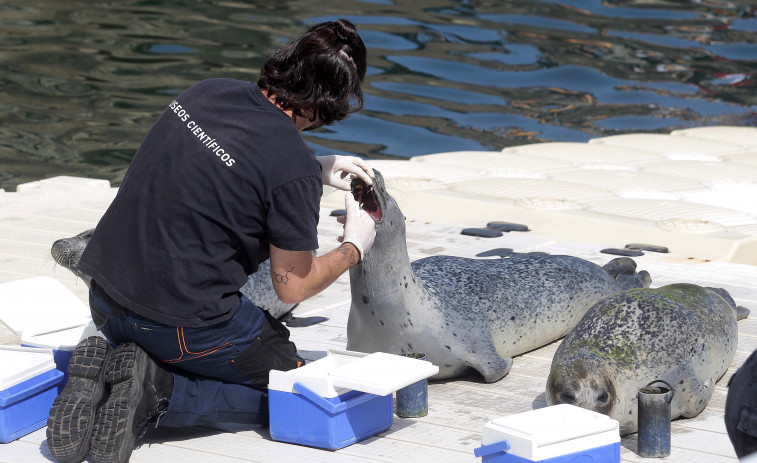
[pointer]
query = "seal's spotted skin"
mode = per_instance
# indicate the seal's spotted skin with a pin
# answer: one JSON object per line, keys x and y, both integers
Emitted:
{"x": 467, "y": 313}
{"x": 682, "y": 334}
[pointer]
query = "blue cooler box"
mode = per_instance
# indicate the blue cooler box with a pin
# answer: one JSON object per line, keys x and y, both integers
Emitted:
{"x": 341, "y": 399}
{"x": 46, "y": 314}
{"x": 557, "y": 434}
{"x": 62, "y": 342}
{"x": 28, "y": 387}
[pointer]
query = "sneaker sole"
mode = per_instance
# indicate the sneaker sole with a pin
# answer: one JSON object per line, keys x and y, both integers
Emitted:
{"x": 114, "y": 436}
{"x": 69, "y": 426}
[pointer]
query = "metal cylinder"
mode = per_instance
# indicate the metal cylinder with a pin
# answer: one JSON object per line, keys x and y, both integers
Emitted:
{"x": 654, "y": 420}
{"x": 412, "y": 400}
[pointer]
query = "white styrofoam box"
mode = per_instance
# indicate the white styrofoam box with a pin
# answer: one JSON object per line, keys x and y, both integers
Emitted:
{"x": 20, "y": 364}
{"x": 552, "y": 431}
{"x": 41, "y": 305}
{"x": 340, "y": 371}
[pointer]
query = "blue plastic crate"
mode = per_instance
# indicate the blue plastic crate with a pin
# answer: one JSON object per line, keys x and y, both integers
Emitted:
{"x": 497, "y": 453}
{"x": 25, "y": 407}
{"x": 557, "y": 434}
{"x": 330, "y": 423}
{"x": 340, "y": 399}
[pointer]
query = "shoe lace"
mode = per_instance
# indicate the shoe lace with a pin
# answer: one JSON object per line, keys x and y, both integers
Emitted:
{"x": 160, "y": 409}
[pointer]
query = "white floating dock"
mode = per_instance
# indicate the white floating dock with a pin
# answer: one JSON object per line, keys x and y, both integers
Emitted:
{"x": 692, "y": 191}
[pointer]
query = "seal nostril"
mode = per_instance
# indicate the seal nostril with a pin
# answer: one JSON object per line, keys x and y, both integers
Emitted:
{"x": 567, "y": 398}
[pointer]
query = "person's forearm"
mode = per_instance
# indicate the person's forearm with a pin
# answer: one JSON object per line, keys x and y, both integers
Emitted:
{"x": 296, "y": 286}
{"x": 329, "y": 267}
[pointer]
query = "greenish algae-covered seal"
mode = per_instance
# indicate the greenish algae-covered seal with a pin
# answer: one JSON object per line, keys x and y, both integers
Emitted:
{"x": 258, "y": 288}
{"x": 467, "y": 313}
{"x": 682, "y": 334}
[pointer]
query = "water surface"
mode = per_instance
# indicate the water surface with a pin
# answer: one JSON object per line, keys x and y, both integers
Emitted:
{"x": 81, "y": 82}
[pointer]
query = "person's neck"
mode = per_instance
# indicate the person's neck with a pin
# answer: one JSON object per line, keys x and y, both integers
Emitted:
{"x": 272, "y": 98}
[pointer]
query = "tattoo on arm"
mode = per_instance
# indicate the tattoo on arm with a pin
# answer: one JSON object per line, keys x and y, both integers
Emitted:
{"x": 347, "y": 252}
{"x": 283, "y": 279}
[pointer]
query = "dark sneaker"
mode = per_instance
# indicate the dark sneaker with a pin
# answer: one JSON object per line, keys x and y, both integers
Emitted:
{"x": 139, "y": 394}
{"x": 72, "y": 415}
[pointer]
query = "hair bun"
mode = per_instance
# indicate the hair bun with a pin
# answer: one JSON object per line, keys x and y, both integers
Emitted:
{"x": 344, "y": 30}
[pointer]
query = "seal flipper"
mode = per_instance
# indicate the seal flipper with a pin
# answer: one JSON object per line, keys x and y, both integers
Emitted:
{"x": 623, "y": 270}
{"x": 699, "y": 397}
{"x": 638, "y": 280}
{"x": 620, "y": 265}
{"x": 491, "y": 366}
{"x": 301, "y": 322}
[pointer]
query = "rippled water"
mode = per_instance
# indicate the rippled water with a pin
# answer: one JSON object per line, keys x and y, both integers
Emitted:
{"x": 81, "y": 82}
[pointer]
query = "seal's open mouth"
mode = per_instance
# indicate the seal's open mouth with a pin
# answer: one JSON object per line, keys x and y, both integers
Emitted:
{"x": 366, "y": 197}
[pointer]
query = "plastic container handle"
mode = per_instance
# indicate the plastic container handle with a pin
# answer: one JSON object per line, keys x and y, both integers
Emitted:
{"x": 328, "y": 406}
{"x": 491, "y": 449}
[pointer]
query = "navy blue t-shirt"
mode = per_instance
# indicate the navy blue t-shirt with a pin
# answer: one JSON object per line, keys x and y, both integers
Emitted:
{"x": 222, "y": 174}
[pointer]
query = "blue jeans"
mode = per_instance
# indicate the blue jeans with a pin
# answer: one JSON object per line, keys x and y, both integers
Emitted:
{"x": 220, "y": 372}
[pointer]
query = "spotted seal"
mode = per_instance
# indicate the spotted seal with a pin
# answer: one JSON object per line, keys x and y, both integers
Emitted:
{"x": 682, "y": 334}
{"x": 258, "y": 288}
{"x": 467, "y": 313}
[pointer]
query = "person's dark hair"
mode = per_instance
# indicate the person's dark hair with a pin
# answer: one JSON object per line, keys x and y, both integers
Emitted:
{"x": 319, "y": 73}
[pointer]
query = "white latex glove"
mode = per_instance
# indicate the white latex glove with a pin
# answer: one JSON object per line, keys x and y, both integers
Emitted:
{"x": 359, "y": 227}
{"x": 339, "y": 170}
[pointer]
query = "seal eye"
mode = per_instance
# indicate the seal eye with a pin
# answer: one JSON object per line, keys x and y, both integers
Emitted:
{"x": 366, "y": 197}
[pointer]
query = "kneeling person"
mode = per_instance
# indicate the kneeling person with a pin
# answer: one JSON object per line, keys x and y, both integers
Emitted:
{"x": 222, "y": 182}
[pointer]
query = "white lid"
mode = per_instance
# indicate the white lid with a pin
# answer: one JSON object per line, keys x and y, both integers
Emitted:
{"x": 381, "y": 373}
{"x": 552, "y": 432}
{"x": 552, "y": 425}
{"x": 378, "y": 373}
{"x": 22, "y": 363}
{"x": 65, "y": 339}
{"x": 40, "y": 305}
